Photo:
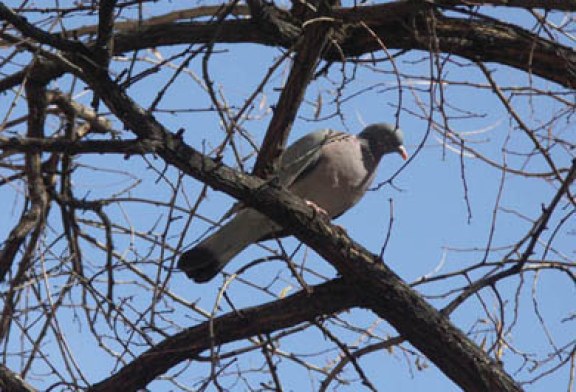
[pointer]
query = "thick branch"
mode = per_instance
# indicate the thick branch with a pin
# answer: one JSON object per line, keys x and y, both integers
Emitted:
{"x": 550, "y": 5}
{"x": 399, "y": 26}
{"x": 10, "y": 381}
{"x": 476, "y": 40}
{"x": 105, "y": 39}
{"x": 134, "y": 146}
{"x": 324, "y": 299}
{"x": 39, "y": 35}
{"x": 33, "y": 220}
{"x": 51, "y": 69}
{"x": 310, "y": 49}
{"x": 34, "y": 216}
{"x": 105, "y": 22}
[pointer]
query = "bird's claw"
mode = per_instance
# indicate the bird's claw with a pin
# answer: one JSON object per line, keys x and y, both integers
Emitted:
{"x": 316, "y": 207}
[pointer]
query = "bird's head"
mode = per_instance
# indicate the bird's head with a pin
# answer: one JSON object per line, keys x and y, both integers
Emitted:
{"x": 383, "y": 139}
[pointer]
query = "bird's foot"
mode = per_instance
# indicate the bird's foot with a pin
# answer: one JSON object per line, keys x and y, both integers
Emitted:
{"x": 340, "y": 229}
{"x": 316, "y": 207}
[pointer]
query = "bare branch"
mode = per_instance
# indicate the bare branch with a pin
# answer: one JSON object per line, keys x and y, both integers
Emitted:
{"x": 550, "y": 5}
{"x": 30, "y": 31}
{"x": 325, "y": 299}
{"x": 309, "y": 51}
{"x": 128, "y": 147}
{"x": 34, "y": 217}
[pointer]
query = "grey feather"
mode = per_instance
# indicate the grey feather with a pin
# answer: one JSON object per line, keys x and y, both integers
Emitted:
{"x": 331, "y": 169}
{"x": 302, "y": 155}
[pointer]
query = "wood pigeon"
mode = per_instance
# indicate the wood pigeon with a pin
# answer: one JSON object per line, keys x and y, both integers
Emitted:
{"x": 331, "y": 170}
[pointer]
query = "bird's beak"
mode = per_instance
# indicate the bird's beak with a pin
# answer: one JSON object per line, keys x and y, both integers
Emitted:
{"x": 402, "y": 152}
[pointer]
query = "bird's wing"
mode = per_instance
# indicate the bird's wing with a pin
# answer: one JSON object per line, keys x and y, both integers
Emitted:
{"x": 298, "y": 159}
{"x": 303, "y": 155}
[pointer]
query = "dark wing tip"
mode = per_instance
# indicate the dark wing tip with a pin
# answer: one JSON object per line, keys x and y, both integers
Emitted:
{"x": 199, "y": 264}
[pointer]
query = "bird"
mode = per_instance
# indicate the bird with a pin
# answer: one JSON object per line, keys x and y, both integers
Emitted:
{"x": 330, "y": 170}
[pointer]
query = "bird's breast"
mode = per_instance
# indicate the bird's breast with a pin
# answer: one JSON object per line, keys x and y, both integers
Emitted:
{"x": 340, "y": 177}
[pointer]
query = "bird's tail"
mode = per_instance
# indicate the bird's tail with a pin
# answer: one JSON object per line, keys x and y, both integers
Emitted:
{"x": 206, "y": 259}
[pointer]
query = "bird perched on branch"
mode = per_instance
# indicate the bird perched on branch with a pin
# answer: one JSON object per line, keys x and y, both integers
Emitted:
{"x": 330, "y": 170}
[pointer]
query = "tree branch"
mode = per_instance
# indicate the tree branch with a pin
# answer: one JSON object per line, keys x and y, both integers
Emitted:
{"x": 105, "y": 39}
{"x": 10, "y": 381}
{"x": 34, "y": 216}
{"x": 28, "y": 145}
{"x": 309, "y": 51}
{"x": 39, "y": 35}
{"x": 400, "y": 26}
{"x": 549, "y": 5}
{"x": 325, "y": 299}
